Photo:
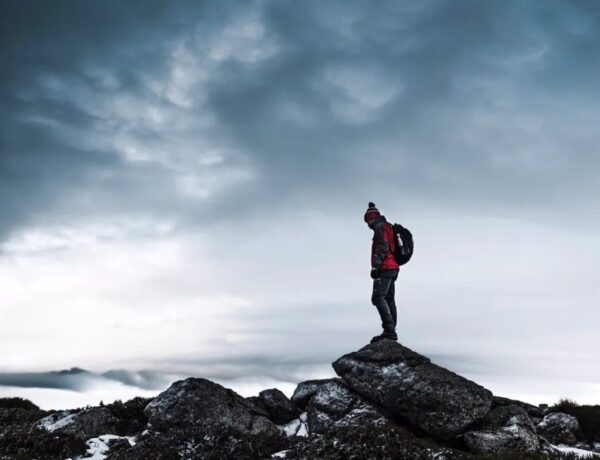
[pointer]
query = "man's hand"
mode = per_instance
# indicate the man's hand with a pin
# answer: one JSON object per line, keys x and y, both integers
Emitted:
{"x": 375, "y": 273}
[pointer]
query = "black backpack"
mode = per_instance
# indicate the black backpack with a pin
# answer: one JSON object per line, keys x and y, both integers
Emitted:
{"x": 404, "y": 244}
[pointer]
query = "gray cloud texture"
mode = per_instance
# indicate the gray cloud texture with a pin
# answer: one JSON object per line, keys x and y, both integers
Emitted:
{"x": 219, "y": 108}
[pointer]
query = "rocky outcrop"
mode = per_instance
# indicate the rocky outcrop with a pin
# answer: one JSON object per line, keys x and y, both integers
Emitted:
{"x": 277, "y": 406}
{"x": 389, "y": 402}
{"x": 423, "y": 394}
{"x": 559, "y": 428}
{"x": 200, "y": 402}
{"x": 505, "y": 429}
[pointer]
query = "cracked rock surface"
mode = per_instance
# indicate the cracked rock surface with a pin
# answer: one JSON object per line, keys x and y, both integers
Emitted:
{"x": 408, "y": 384}
{"x": 334, "y": 405}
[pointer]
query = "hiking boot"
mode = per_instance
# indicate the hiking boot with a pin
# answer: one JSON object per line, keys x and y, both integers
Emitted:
{"x": 385, "y": 335}
{"x": 389, "y": 335}
{"x": 376, "y": 338}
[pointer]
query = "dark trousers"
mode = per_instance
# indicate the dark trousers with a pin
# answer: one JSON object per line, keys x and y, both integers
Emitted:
{"x": 383, "y": 298}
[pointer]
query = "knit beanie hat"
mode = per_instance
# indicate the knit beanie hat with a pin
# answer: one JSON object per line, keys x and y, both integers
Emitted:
{"x": 372, "y": 213}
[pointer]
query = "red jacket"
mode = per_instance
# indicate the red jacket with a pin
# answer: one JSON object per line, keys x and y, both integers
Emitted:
{"x": 384, "y": 243}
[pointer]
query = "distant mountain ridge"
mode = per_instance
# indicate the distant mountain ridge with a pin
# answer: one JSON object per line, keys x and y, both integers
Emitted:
{"x": 77, "y": 378}
{"x": 388, "y": 402}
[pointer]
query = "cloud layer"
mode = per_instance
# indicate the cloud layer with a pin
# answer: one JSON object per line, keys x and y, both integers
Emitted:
{"x": 218, "y": 108}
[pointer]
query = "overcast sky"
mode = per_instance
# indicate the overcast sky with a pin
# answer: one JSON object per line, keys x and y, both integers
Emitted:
{"x": 182, "y": 187}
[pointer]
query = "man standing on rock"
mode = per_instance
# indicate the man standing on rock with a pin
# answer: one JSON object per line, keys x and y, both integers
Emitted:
{"x": 384, "y": 271}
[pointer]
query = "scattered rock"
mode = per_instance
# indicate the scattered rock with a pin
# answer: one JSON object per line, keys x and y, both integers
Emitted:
{"x": 334, "y": 405}
{"x": 276, "y": 406}
{"x": 307, "y": 389}
{"x": 505, "y": 429}
{"x": 535, "y": 413}
{"x": 428, "y": 396}
{"x": 559, "y": 428}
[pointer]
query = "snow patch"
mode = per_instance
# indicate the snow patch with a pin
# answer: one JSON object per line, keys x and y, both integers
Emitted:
{"x": 296, "y": 427}
{"x": 581, "y": 453}
{"x": 57, "y": 420}
{"x": 439, "y": 455}
{"x": 98, "y": 447}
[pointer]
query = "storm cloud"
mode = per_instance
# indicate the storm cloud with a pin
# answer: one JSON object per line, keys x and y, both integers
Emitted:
{"x": 220, "y": 108}
{"x": 182, "y": 185}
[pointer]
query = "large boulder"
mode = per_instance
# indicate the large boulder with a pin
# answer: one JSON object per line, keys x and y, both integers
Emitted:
{"x": 307, "y": 389}
{"x": 334, "y": 406}
{"x": 202, "y": 403}
{"x": 425, "y": 395}
{"x": 276, "y": 405}
{"x": 505, "y": 429}
{"x": 559, "y": 428}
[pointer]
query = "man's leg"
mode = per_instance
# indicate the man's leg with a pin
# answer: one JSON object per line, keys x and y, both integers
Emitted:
{"x": 381, "y": 287}
{"x": 391, "y": 301}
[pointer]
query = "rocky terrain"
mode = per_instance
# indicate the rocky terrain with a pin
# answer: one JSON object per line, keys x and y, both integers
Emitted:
{"x": 387, "y": 403}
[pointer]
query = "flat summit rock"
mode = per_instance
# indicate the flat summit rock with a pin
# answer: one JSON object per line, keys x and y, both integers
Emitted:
{"x": 409, "y": 385}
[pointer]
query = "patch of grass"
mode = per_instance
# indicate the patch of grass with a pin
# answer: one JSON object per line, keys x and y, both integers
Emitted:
{"x": 130, "y": 415}
{"x": 564, "y": 403}
{"x": 17, "y": 403}
{"x": 588, "y": 417}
